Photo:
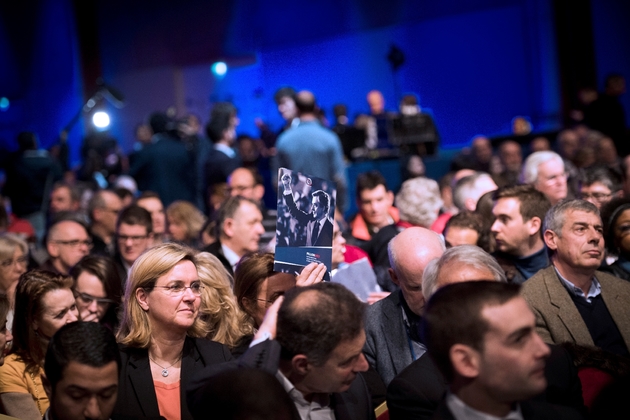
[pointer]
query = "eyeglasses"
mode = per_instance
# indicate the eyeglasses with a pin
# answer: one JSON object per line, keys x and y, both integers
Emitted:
{"x": 88, "y": 299}
{"x": 599, "y": 197}
{"x": 180, "y": 289}
{"x": 239, "y": 188}
{"x": 134, "y": 239}
{"x": 75, "y": 243}
{"x": 9, "y": 262}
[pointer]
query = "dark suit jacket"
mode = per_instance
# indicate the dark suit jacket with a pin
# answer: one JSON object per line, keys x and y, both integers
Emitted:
{"x": 417, "y": 391}
{"x": 215, "y": 249}
{"x": 353, "y": 404}
{"x": 533, "y": 410}
{"x": 386, "y": 346}
{"x": 307, "y": 219}
{"x": 167, "y": 168}
{"x": 557, "y": 317}
{"x": 136, "y": 393}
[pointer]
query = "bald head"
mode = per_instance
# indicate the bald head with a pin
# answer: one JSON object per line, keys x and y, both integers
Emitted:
{"x": 409, "y": 253}
{"x": 305, "y": 102}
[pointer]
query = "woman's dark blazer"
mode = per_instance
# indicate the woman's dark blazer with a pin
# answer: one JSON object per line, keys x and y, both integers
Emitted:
{"x": 136, "y": 393}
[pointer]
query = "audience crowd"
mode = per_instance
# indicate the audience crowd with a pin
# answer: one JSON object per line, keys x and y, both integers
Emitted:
{"x": 147, "y": 289}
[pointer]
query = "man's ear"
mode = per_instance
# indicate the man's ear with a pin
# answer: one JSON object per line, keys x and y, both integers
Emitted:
{"x": 390, "y": 198}
{"x": 47, "y": 386}
{"x": 551, "y": 239}
{"x": 465, "y": 360}
{"x": 534, "y": 224}
{"x": 393, "y": 276}
{"x": 141, "y": 298}
{"x": 228, "y": 225}
{"x": 53, "y": 249}
{"x": 300, "y": 364}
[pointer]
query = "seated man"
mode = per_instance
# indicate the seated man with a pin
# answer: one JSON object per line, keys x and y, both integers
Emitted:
{"x": 465, "y": 228}
{"x": 133, "y": 237}
{"x": 376, "y": 208}
{"x": 517, "y": 229}
{"x": 67, "y": 242}
{"x": 249, "y": 184}
{"x": 573, "y": 301}
{"x": 469, "y": 189}
{"x": 599, "y": 185}
{"x": 63, "y": 198}
{"x": 82, "y": 366}
{"x": 482, "y": 338}
{"x": 392, "y": 323}
{"x": 416, "y": 392}
{"x": 151, "y": 202}
{"x": 316, "y": 354}
{"x": 240, "y": 226}
{"x": 546, "y": 172}
{"x": 103, "y": 211}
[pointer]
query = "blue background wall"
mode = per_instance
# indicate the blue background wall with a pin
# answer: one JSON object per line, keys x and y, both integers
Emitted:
{"x": 474, "y": 64}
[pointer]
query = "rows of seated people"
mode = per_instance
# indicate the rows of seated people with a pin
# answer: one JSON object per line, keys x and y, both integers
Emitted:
{"x": 500, "y": 290}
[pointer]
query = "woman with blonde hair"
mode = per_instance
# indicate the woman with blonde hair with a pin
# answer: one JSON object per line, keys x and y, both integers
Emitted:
{"x": 43, "y": 303}
{"x": 13, "y": 262}
{"x": 185, "y": 222}
{"x": 223, "y": 320}
{"x": 161, "y": 334}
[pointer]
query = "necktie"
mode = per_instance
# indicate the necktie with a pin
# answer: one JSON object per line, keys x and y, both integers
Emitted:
{"x": 314, "y": 233}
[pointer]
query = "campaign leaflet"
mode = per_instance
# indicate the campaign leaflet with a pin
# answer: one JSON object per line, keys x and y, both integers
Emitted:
{"x": 304, "y": 229}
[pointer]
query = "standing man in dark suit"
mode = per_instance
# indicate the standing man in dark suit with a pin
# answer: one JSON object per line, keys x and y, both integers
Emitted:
{"x": 392, "y": 324}
{"x": 319, "y": 229}
{"x": 571, "y": 300}
{"x": 316, "y": 354}
{"x": 482, "y": 337}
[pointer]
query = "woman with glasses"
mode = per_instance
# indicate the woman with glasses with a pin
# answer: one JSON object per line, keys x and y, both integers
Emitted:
{"x": 43, "y": 303}
{"x": 97, "y": 290}
{"x": 161, "y": 334}
{"x": 13, "y": 262}
{"x": 616, "y": 219}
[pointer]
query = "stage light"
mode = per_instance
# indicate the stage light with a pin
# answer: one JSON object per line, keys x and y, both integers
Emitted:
{"x": 219, "y": 68}
{"x": 100, "y": 119}
{"x": 4, "y": 103}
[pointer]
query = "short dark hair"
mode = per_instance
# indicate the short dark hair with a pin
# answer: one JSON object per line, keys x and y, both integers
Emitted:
{"x": 105, "y": 270}
{"x": 228, "y": 209}
{"x": 324, "y": 199}
{"x": 74, "y": 194}
{"x": 135, "y": 215}
{"x": 369, "y": 181}
{"x": 283, "y": 92}
{"x": 148, "y": 194}
{"x": 533, "y": 202}
{"x": 27, "y": 140}
{"x": 244, "y": 393}
{"x": 467, "y": 220}
{"x": 453, "y": 316}
{"x": 220, "y": 119}
{"x": 602, "y": 174}
{"x": 87, "y": 343}
{"x": 314, "y": 320}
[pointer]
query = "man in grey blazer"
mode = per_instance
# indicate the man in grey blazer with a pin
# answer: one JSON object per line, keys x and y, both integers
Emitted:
{"x": 571, "y": 300}
{"x": 393, "y": 340}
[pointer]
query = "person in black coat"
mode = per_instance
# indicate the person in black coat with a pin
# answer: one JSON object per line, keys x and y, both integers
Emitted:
{"x": 160, "y": 321}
